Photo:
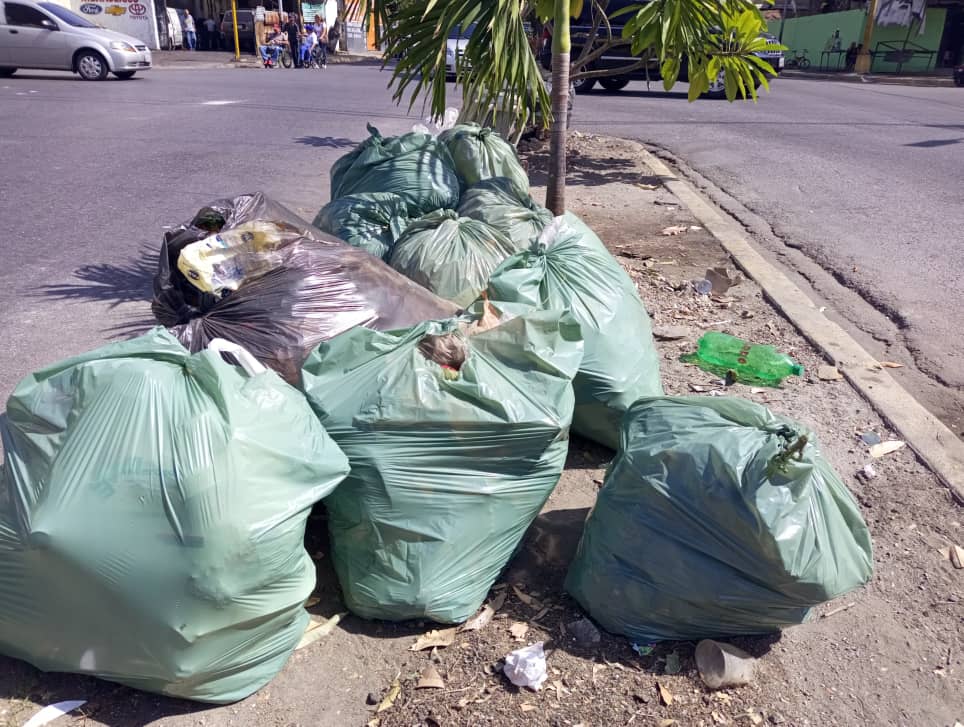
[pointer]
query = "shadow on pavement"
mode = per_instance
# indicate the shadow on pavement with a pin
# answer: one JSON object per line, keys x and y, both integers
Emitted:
{"x": 326, "y": 142}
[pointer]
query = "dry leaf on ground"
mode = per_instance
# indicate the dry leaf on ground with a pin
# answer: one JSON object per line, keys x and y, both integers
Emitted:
{"x": 891, "y": 364}
{"x": 525, "y": 598}
{"x": 665, "y": 695}
{"x": 437, "y": 637}
{"x": 482, "y": 618}
{"x": 519, "y": 630}
{"x": 390, "y": 698}
{"x": 674, "y": 230}
{"x": 829, "y": 373}
{"x": 430, "y": 678}
{"x": 318, "y": 628}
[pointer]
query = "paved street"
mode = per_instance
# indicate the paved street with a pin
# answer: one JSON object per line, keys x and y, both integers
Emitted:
{"x": 862, "y": 179}
{"x": 856, "y": 186}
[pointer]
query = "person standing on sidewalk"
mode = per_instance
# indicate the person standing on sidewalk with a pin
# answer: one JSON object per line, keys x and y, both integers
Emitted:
{"x": 190, "y": 32}
{"x": 212, "y": 27}
{"x": 293, "y": 30}
{"x": 322, "y": 30}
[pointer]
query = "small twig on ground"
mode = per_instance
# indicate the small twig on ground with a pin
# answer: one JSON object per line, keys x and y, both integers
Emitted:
{"x": 839, "y": 609}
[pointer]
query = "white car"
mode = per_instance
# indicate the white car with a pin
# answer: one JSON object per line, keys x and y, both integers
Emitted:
{"x": 457, "y": 40}
{"x": 49, "y": 36}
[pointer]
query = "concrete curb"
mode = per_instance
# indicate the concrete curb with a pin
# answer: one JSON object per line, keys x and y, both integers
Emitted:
{"x": 929, "y": 81}
{"x": 248, "y": 61}
{"x": 933, "y": 442}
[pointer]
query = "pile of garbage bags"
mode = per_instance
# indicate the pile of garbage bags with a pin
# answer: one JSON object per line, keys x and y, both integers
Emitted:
{"x": 154, "y": 492}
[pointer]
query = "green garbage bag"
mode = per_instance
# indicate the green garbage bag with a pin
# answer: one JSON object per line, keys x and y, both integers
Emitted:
{"x": 571, "y": 269}
{"x": 371, "y": 221}
{"x": 717, "y": 518}
{"x": 450, "y": 461}
{"x": 414, "y": 166}
{"x": 152, "y": 516}
{"x": 449, "y": 255}
{"x": 480, "y": 153}
{"x": 498, "y": 203}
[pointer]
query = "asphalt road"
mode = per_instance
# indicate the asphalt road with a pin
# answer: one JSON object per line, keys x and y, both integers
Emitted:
{"x": 858, "y": 188}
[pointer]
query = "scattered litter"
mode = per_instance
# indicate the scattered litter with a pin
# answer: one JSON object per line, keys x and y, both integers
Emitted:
{"x": 885, "y": 448}
{"x": 891, "y": 364}
{"x": 829, "y": 373}
{"x": 821, "y": 309}
{"x": 54, "y": 711}
{"x": 519, "y": 630}
{"x": 698, "y": 389}
{"x": 641, "y": 185}
{"x": 839, "y": 609}
{"x": 584, "y": 631}
{"x": 870, "y": 438}
{"x": 723, "y": 665}
{"x": 318, "y": 628}
{"x": 674, "y": 230}
{"x": 436, "y": 637}
{"x": 721, "y": 280}
{"x": 430, "y": 678}
{"x": 695, "y": 228}
{"x": 525, "y": 598}
{"x": 526, "y": 667}
{"x": 956, "y": 555}
{"x": 643, "y": 649}
{"x": 526, "y": 707}
{"x": 757, "y": 390}
{"x": 482, "y": 618}
{"x": 703, "y": 286}
{"x": 665, "y": 695}
{"x": 672, "y": 665}
{"x": 868, "y": 471}
{"x": 753, "y": 715}
{"x": 670, "y": 333}
{"x": 752, "y": 363}
{"x": 390, "y": 698}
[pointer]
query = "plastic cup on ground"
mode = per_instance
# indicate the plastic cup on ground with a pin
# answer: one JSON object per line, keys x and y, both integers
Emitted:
{"x": 723, "y": 665}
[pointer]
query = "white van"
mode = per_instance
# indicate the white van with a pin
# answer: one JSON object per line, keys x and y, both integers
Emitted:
{"x": 175, "y": 33}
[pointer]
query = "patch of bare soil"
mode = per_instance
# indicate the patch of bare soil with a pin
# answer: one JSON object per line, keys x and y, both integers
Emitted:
{"x": 889, "y": 654}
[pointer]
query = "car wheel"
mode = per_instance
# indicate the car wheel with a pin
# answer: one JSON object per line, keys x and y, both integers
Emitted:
{"x": 91, "y": 66}
{"x": 583, "y": 85}
{"x": 7, "y": 72}
{"x": 124, "y": 75}
{"x": 616, "y": 83}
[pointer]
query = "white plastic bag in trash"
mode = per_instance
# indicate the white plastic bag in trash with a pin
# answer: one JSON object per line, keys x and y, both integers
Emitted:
{"x": 442, "y": 123}
{"x": 526, "y": 667}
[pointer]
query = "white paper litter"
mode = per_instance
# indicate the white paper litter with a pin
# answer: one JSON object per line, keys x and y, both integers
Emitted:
{"x": 54, "y": 711}
{"x": 526, "y": 667}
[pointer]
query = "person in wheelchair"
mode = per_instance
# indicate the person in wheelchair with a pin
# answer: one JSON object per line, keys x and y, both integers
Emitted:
{"x": 308, "y": 47}
{"x": 272, "y": 48}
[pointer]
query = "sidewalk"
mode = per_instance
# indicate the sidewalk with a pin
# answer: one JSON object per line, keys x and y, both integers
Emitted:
{"x": 930, "y": 79}
{"x": 181, "y": 59}
{"x": 891, "y": 653}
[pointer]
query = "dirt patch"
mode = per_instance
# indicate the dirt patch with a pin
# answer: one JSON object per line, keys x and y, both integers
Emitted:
{"x": 892, "y": 657}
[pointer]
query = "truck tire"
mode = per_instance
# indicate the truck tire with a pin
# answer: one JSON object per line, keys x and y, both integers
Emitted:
{"x": 583, "y": 85}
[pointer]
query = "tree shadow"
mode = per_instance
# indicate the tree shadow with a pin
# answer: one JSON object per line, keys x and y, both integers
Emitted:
{"x": 326, "y": 142}
{"x": 130, "y": 282}
{"x": 588, "y": 172}
{"x": 933, "y": 143}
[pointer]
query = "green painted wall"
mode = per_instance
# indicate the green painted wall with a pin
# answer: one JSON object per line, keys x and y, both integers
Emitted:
{"x": 814, "y": 33}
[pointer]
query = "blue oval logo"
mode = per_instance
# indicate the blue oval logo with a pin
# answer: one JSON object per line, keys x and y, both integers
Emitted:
{"x": 91, "y": 9}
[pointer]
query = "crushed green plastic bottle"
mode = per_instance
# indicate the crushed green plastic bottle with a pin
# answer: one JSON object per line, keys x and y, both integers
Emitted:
{"x": 750, "y": 362}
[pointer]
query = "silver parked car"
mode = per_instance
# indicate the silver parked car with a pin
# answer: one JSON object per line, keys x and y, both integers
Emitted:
{"x": 49, "y": 36}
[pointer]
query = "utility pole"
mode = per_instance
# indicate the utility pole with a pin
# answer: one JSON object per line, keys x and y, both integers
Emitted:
{"x": 864, "y": 59}
{"x": 234, "y": 22}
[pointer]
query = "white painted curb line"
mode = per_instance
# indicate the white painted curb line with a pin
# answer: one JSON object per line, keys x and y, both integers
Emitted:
{"x": 933, "y": 442}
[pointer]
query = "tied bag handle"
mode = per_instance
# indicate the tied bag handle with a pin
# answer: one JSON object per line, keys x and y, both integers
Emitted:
{"x": 251, "y": 365}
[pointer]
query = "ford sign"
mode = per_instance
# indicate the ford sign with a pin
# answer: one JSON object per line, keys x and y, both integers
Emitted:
{"x": 91, "y": 9}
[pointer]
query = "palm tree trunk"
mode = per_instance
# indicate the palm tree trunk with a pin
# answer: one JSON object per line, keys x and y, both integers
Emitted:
{"x": 561, "y": 46}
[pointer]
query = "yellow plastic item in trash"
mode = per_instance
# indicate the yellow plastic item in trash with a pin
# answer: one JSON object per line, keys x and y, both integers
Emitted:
{"x": 222, "y": 262}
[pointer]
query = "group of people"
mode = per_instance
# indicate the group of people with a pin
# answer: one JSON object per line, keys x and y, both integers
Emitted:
{"x": 203, "y": 34}
{"x": 308, "y": 43}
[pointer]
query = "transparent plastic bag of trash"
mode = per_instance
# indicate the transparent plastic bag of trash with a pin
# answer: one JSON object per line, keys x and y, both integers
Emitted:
{"x": 316, "y": 287}
{"x": 152, "y": 516}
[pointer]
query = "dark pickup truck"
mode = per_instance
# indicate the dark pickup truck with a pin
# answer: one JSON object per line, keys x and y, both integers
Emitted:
{"x": 620, "y": 56}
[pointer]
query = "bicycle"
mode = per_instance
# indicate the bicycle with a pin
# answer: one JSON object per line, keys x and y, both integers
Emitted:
{"x": 799, "y": 60}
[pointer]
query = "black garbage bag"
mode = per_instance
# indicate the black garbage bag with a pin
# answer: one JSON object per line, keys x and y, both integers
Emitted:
{"x": 289, "y": 290}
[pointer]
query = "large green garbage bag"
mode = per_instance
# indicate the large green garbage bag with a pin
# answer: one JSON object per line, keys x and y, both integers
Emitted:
{"x": 571, "y": 269}
{"x": 480, "y": 153}
{"x": 498, "y": 203}
{"x": 414, "y": 166}
{"x": 451, "y": 256}
{"x": 450, "y": 462}
{"x": 371, "y": 221}
{"x": 152, "y": 516}
{"x": 717, "y": 518}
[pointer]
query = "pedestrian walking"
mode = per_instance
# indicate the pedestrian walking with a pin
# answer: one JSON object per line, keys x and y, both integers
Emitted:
{"x": 190, "y": 32}
{"x": 293, "y": 30}
{"x": 212, "y": 27}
